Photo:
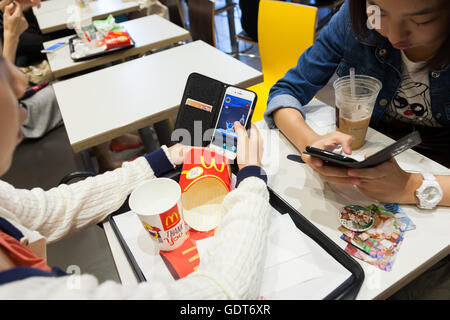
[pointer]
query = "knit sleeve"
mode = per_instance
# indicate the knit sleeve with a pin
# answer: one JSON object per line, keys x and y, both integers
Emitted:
{"x": 67, "y": 208}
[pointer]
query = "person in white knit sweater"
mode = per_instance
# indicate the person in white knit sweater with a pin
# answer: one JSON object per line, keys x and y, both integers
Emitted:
{"x": 232, "y": 269}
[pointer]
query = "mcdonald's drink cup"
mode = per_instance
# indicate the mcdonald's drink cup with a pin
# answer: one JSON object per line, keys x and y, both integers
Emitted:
{"x": 157, "y": 203}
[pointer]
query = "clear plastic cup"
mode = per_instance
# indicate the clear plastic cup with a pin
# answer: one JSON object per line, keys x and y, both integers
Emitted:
{"x": 354, "y": 106}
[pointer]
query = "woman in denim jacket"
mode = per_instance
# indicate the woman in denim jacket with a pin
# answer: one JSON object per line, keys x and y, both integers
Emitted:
{"x": 409, "y": 52}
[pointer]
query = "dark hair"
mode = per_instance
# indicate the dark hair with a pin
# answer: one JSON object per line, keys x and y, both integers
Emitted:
{"x": 358, "y": 19}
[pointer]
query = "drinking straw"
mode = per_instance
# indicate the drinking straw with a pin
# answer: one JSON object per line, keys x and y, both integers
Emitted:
{"x": 352, "y": 81}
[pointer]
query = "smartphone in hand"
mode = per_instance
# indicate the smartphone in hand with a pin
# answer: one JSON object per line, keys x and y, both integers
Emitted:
{"x": 331, "y": 158}
{"x": 237, "y": 105}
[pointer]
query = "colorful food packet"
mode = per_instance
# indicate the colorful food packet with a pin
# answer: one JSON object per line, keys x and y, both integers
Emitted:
{"x": 115, "y": 39}
{"x": 379, "y": 244}
{"x": 401, "y": 216}
{"x": 104, "y": 26}
{"x": 356, "y": 218}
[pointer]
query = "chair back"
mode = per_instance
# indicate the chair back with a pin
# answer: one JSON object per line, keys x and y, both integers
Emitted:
{"x": 175, "y": 12}
{"x": 201, "y": 21}
{"x": 285, "y": 31}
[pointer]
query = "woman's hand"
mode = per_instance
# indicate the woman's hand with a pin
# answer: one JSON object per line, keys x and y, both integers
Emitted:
{"x": 332, "y": 174}
{"x": 14, "y": 22}
{"x": 26, "y": 4}
{"x": 249, "y": 149}
{"x": 178, "y": 153}
{"x": 387, "y": 182}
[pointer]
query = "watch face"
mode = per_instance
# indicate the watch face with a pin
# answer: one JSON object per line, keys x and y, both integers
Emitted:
{"x": 431, "y": 193}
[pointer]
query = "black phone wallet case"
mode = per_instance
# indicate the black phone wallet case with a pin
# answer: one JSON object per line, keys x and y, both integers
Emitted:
{"x": 409, "y": 141}
{"x": 199, "y": 110}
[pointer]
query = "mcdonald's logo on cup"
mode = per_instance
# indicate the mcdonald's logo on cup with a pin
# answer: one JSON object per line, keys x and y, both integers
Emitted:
{"x": 157, "y": 203}
{"x": 170, "y": 218}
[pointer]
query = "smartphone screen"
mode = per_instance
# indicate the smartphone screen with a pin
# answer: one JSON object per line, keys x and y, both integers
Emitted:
{"x": 236, "y": 106}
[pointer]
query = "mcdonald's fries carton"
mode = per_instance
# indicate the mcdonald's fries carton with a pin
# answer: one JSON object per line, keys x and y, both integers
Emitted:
{"x": 157, "y": 203}
{"x": 205, "y": 181}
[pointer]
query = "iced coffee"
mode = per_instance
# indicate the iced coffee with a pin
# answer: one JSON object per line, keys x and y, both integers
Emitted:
{"x": 355, "y": 100}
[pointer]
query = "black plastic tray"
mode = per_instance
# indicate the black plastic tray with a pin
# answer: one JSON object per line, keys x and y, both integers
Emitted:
{"x": 98, "y": 54}
{"x": 348, "y": 290}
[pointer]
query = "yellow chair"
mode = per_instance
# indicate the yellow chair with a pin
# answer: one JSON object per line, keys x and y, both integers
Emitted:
{"x": 285, "y": 31}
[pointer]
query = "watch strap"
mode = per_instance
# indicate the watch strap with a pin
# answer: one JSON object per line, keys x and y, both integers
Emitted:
{"x": 428, "y": 177}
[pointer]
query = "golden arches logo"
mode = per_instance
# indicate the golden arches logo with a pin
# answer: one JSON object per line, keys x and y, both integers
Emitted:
{"x": 173, "y": 219}
{"x": 213, "y": 164}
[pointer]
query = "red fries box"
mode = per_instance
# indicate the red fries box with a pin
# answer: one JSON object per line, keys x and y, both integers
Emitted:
{"x": 205, "y": 181}
{"x": 116, "y": 39}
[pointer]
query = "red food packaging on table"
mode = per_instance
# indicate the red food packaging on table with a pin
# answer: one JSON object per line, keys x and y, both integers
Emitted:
{"x": 116, "y": 39}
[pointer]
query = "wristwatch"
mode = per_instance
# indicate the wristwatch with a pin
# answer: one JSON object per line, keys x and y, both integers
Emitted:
{"x": 429, "y": 193}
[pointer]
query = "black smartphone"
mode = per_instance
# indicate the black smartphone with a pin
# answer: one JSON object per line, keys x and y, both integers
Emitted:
{"x": 405, "y": 143}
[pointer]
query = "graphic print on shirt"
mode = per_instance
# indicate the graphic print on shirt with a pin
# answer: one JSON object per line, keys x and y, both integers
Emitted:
{"x": 412, "y": 104}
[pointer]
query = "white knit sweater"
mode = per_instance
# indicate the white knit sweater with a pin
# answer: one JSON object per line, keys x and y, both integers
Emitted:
{"x": 232, "y": 268}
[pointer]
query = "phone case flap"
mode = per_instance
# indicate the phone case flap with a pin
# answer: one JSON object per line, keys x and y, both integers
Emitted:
{"x": 199, "y": 109}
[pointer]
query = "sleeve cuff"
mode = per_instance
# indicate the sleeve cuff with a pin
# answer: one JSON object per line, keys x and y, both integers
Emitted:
{"x": 251, "y": 171}
{"x": 159, "y": 162}
{"x": 281, "y": 101}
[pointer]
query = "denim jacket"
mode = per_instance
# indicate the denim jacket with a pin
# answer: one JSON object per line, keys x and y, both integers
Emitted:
{"x": 337, "y": 49}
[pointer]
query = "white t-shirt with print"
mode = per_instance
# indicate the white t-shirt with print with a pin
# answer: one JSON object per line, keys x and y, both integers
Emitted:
{"x": 411, "y": 102}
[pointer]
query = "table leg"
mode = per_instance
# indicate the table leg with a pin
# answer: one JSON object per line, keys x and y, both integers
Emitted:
{"x": 147, "y": 138}
{"x": 164, "y": 130}
{"x": 87, "y": 160}
{"x": 232, "y": 28}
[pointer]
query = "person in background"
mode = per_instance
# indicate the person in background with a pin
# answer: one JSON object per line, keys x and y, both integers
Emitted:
{"x": 25, "y": 43}
{"x": 249, "y": 17}
{"x": 22, "y": 45}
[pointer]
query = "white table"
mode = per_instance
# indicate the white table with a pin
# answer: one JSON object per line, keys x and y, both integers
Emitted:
{"x": 54, "y": 14}
{"x": 105, "y": 104}
{"x": 148, "y": 33}
{"x": 52, "y": 5}
{"x": 319, "y": 202}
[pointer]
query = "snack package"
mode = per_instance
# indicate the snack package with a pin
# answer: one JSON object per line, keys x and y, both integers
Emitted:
{"x": 104, "y": 26}
{"x": 117, "y": 39}
{"x": 378, "y": 245}
{"x": 400, "y": 215}
{"x": 356, "y": 218}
